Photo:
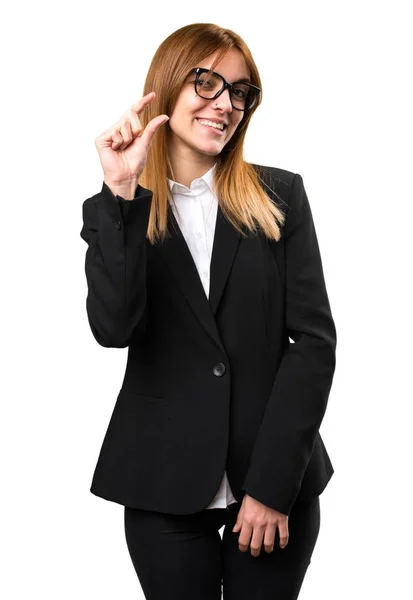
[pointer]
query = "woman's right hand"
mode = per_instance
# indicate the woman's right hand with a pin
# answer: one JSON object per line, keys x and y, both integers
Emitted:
{"x": 123, "y": 149}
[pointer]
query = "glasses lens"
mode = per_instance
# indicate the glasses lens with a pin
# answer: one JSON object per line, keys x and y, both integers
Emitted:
{"x": 242, "y": 96}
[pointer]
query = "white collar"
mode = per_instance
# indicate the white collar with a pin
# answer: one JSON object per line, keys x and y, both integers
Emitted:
{"x": 174, "y": 186}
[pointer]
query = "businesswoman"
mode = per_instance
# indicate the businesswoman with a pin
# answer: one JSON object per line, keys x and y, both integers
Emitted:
{"x": 208, "y": 269}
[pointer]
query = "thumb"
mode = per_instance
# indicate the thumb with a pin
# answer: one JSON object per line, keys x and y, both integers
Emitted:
{"x": 240, "y": 516}
{"x": 236, "y": 526}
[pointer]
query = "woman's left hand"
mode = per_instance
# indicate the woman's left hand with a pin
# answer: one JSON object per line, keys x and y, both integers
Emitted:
{"x": 260, "y": 522}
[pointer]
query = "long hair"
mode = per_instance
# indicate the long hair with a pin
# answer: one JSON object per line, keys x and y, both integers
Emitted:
{"x": 236, "y": 183}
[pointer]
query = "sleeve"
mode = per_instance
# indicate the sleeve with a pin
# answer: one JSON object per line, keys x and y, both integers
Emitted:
{"x": 298, "y": 399}
{"x": 115, "y": 265}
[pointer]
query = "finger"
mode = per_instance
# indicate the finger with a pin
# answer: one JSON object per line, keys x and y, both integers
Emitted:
{"x": 135, "y": 123}
{"x": 245, "y": 537}
{"x": 269, "y": 538}
{"x": 116, "y": 137}
{"x": 151, "y": 128}
{"x": 256, "y": 542}
{"x": 126, "y": 134}
{"x": 284, "y": 535}
{"x": 110, "y": 136}
{"x": 141, "y": 104}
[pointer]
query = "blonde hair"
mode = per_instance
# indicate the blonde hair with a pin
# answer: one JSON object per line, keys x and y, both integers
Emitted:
{"x": 236, "y": 183}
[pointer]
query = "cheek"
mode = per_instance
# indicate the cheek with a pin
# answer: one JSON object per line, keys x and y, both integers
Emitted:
{"x": 235, "y": 127}
{"x": 189, "y": 104}
{"x": 240, "y": 119}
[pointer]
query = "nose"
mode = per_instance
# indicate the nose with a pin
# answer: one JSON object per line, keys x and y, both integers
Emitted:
{"x": 224, "y": 101}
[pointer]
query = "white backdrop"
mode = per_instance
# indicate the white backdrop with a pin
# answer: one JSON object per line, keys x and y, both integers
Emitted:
{"x": 336, "y": 109}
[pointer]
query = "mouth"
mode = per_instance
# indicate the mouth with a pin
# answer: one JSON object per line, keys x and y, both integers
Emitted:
{"x": 211, "y": 128}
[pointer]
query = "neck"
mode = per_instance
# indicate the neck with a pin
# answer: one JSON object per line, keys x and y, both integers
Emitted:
{"x": 188, "y": 168}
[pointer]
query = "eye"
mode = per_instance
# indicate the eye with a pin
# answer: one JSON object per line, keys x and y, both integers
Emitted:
{"x": 204, "y": 83}
{"x": 239, "y": 93}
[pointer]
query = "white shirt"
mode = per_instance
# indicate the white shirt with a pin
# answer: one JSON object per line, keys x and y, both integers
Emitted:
{"x": 196, "y": 214}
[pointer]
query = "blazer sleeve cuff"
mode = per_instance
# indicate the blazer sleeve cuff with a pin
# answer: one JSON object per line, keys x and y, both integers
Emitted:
{"x": 127, "y": 210}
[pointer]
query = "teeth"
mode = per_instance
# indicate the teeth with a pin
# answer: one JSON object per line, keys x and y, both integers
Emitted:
{"x": 211, "y": 124}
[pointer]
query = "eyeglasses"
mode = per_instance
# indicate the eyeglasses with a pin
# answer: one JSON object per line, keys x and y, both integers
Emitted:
{"x": 243, "y": 95}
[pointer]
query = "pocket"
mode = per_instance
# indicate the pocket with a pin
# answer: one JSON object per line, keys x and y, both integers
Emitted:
{"x": 143, "y": 409}
{"x": 141, "y": 394}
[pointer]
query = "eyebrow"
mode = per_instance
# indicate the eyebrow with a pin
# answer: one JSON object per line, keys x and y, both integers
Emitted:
{"x": 243, "y": 79}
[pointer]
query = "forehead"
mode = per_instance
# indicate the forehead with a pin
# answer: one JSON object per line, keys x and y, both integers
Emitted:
{"x": 232, "y": 66}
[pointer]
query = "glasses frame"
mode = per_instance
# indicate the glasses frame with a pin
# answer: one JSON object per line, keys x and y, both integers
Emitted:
{"x": 226, "y": 86}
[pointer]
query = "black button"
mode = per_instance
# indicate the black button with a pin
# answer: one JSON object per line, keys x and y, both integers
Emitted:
{"x": 219, "y": 369}
{"x": 118, "y": 224}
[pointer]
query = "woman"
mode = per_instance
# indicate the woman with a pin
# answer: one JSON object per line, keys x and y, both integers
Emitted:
{"x": 205, "y": 266}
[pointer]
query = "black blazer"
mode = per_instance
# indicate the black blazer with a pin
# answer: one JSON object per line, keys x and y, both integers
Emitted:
{"x": 211, "y": 384}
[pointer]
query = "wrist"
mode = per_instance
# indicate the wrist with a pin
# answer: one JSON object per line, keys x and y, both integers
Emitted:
{"x": 125, "y": 189}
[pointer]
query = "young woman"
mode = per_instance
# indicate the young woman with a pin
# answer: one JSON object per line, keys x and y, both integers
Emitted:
{"x": 208, "y": 268}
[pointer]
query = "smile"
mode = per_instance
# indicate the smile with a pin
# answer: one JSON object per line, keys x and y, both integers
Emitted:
{"x": 212, "y": 128}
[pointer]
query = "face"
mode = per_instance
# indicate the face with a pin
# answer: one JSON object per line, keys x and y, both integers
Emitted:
{"x": 188, "y": 138}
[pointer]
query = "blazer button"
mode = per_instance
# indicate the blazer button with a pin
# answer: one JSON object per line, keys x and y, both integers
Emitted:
{"x": 118, "y": 224}
{"x": 219, "y": 370}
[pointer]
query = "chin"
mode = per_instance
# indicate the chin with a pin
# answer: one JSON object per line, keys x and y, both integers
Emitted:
{"x": 209, "y": 151}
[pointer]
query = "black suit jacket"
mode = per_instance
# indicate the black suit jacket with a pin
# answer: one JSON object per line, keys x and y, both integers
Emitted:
{"x": 211, "y": 384}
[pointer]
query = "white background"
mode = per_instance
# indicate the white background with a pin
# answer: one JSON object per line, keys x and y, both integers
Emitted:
{"x": 336, "y": 109}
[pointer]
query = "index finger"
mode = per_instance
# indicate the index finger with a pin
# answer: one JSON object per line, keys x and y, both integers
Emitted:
{"x": 142, "y": 102}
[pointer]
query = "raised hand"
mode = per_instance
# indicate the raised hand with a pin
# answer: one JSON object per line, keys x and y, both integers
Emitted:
{"x": 123, "y": 148}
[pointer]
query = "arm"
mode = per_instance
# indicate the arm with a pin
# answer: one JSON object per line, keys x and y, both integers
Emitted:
{"x": 299, "y": 395}
{"x": 115, "y": 231}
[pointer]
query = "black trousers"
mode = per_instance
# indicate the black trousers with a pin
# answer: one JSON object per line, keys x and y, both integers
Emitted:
{"x": 182, "y": 557}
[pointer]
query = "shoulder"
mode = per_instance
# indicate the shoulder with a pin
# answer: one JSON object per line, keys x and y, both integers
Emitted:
{"x": 278, "y": 183}
{"x": 275, "y": 173}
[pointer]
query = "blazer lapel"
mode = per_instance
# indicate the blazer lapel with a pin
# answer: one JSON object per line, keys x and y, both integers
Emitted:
{"x": 226, "y": 240}
{"x": 179, "y": 262}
